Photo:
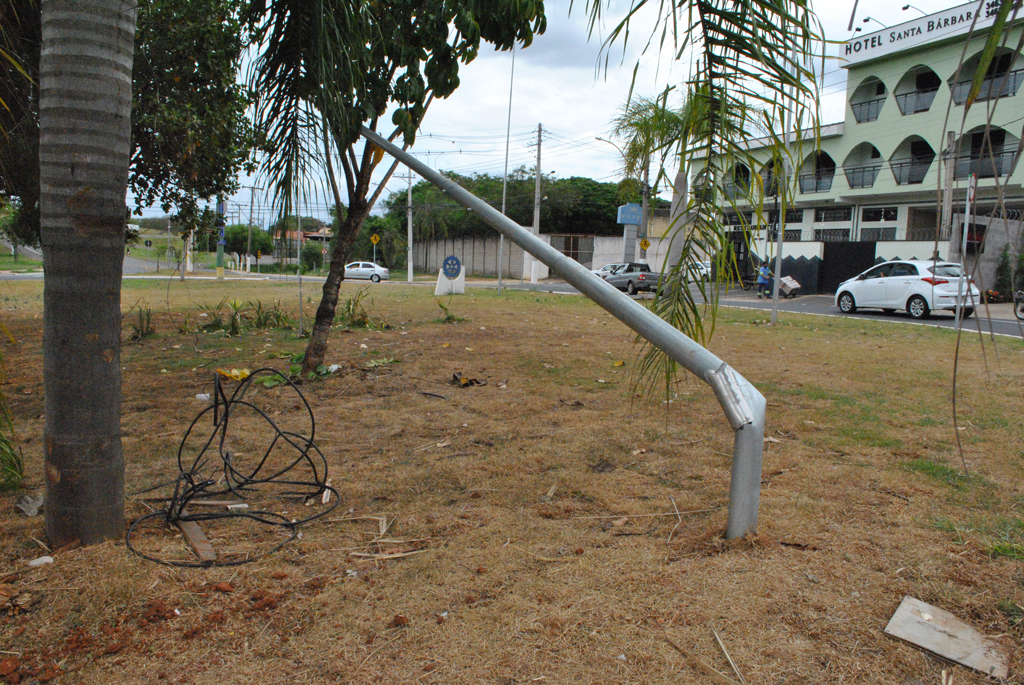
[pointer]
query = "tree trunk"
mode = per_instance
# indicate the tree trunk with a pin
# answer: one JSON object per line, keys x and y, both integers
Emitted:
{"x": 85, "y": 137}
{"x": 358, "y": 210}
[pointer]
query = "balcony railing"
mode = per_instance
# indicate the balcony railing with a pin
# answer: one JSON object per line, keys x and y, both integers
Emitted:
{"x": 984, "y": 165}
{"x": 910, "y": 171}
{"x": 878, "y": 233}
{"x": 817, "y": 182}
{"x": 1004, "y": 85}
{"x": 867, "y": 110}
{"x": 735, "y": 191}
{"x": 861, "y": 175}
{"x": 916, "y": 101}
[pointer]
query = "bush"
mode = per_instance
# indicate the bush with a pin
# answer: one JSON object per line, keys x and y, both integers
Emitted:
{"x": 1004, "y": 273}
{"x": 312, "y": 258}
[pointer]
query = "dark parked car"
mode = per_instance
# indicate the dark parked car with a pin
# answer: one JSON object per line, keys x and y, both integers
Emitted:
{"x": 633, "y": 278}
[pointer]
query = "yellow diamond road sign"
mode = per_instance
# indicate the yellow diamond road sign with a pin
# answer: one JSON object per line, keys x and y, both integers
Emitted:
{"x": 644, "y": 244}
{"x": 374, "y": 238}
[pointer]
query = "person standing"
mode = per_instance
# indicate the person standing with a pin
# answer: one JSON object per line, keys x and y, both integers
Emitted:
{"x": 764, "y": 275}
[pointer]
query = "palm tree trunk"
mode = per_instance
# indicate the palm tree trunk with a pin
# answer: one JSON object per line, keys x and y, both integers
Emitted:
{"x": 85, "y": 136}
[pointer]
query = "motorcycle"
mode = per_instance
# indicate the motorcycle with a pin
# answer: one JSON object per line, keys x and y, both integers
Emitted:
{"x": 1018, "y": 305}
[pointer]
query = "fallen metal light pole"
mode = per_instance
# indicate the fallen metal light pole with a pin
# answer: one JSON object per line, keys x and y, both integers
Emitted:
{"x": 743, "y": 405}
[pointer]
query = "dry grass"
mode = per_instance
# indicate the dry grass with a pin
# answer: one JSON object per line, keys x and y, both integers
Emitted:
{"x": 862, "y": 503}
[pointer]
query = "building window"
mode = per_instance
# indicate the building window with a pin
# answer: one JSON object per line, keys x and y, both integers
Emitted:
{"x": 831, "y": 235}
{"x": 578, "y": 247}
{"x": 793, "y": 216}
{"x": 912, "y": 170}
{"x": 830, "y": 214}
{"x": 877, "y": 233}
{"x": 734, "y": 219}
{"x": 880, "y": 214}
{"x": 987, "y": 156}
{"x": 999, "y": 81}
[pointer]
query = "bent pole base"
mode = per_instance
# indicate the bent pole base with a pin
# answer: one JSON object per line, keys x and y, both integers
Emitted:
{"x": 743, "y": 405}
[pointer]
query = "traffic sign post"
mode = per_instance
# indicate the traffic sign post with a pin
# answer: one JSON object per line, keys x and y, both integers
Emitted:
{"x": 375, "y": 239}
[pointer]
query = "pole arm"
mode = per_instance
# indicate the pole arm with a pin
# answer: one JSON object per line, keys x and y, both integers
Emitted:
{"x": 743, "y": 405}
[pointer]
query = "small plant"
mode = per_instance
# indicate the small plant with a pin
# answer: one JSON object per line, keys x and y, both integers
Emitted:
{"x": 273, "y": 316}
{"x": 236, "y": 316}
{"x": 216, "y": 314}
{"x": 188, "y": 325}
{"x": 353, "y": 314}
{"x": 446, "y": 310}
{"x": 142, "y": 325}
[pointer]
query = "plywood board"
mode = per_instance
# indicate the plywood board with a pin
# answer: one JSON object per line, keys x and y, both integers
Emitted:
{"x": 197, "y": 539}
{"x": 942, "y": 633}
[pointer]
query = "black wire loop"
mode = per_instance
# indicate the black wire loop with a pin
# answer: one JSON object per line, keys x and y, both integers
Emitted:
{"x": 197, "y": 482}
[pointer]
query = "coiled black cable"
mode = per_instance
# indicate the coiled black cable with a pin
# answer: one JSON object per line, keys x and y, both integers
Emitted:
{"x": 192, "y": 486}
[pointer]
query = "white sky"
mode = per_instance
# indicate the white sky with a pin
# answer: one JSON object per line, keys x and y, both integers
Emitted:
{"x": 557, "y": 84}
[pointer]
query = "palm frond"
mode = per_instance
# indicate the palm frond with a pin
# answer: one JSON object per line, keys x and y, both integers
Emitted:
{"x": 752, "y": 73}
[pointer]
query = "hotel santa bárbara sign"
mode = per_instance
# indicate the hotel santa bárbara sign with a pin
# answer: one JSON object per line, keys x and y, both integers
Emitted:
{"x": 952, "y": 22}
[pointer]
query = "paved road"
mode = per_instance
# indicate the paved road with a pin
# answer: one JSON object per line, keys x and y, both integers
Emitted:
{"x": 1002, "y": 319}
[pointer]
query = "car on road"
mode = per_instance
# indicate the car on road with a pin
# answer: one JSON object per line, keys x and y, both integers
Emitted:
{"x": 607, "y": 269}
{"x": 918, "y": 286}
{"x": 633, "y": 277}
{"x": 366, "y": 270}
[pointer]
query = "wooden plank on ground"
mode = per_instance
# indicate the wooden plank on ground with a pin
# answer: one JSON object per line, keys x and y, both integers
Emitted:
{"x": 197, "y": 539}
{"x": 942, "y": 633}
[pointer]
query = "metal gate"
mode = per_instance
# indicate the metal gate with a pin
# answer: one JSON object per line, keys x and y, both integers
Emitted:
{"x": 841, "y": 261}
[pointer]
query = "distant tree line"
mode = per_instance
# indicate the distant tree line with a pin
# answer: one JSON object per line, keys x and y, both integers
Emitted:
{"x": 575, "y": 205}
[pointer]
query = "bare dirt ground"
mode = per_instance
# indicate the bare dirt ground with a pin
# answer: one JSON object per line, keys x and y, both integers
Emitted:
{"x": 541, "y": 507}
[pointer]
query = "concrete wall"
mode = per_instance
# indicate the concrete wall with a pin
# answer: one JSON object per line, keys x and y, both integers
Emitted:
{"x": 998, "y": 233}
{"x": 479, "y": 256}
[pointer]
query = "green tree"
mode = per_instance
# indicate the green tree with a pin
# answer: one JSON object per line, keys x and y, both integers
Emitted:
{"x": 19, "y": 117}
{"x": 312, "y": 256}
{"x": 85, "y": 139}
{"x": 190, "y": 134}
{"x": 236, "y": 239}
{"x": 327, "y": 67}
{"x": 574, "y": 205}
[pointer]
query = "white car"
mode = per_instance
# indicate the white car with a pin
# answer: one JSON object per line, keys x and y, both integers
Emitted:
{"x": 919, "y": 286}
{"x": 366, "y": 270}
{"x": 607, "y": 269}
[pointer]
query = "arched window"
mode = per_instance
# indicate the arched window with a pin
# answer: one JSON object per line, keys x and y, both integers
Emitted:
{"x": 987, "y": 153}
{"x": 1002, "y": 78}
{"x": 861, "y": 166}
{"x": 866, "y": 102}
{"x": 916, "y": 90}
{"x": 737, "y": 183}
{"x": 818, "y": 171}
{"x": 772, "y": 177}
{"x": 911, "y": 161}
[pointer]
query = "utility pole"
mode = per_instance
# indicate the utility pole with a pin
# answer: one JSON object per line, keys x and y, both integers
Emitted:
{"x": 504, "y": 180}
{"x": 536, "y": 205}
{"x": 248, "y": 247}
{"x": 946, "y": 228}
{"x": 780, "y": 226}
{"x": 408, "y": 226}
